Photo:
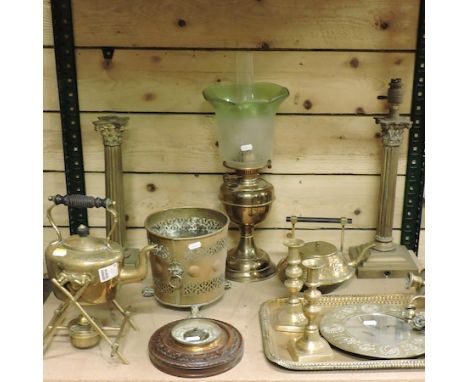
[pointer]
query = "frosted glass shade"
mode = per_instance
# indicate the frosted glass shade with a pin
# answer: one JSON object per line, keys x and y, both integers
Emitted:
{"x": 245, "y": 120}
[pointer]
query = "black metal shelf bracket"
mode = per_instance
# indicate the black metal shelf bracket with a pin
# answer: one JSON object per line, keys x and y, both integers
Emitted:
{"x": 64, "y": 48}
{"x": 414, "y": 184}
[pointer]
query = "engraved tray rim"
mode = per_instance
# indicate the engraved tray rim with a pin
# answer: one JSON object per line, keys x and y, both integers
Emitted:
{"x": 336, "y": 301}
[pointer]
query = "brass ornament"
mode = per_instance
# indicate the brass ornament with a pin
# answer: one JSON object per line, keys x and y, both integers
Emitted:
{"x": 291, "y": 317}
{"x": 86, "y": 270}
{"x": 111, "y": 128}
{"x": 188, "y": 260}
{"x": 275, "y": 342}
{"x": 383, "y": 257}
{"x": 311, "y": 346}
{"x": 247, "y": 199}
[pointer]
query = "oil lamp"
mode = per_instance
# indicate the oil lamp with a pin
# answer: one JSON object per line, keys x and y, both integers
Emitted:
{"x": 245, "y": 119}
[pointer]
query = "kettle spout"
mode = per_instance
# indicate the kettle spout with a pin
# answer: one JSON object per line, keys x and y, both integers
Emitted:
{"x": 128, "y": 276}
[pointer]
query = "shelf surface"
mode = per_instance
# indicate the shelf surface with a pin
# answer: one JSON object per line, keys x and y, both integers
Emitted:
{"x": 239, "y": 307}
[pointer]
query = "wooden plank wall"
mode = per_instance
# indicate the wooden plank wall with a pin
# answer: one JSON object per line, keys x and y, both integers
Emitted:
{"x": 335, "y": 57}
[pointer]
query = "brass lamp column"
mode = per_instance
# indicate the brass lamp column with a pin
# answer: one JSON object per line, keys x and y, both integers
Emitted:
{"x": 111, "y": 128}
{"x": 386, "y": 258}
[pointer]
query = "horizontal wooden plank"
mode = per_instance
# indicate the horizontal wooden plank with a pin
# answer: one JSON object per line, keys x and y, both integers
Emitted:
{"x": 307, "y": 24}
{"x": 355, "y": 196}
{"x": 50, "y": 90}
{"x": 187, "y": 143}
{"x": 269, "y": 240}
{"x": 173, "y": 81}
{"x": 47, "y": 34}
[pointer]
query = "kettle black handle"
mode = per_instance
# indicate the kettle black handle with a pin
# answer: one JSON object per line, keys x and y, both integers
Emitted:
{"x": 80, "y": 201}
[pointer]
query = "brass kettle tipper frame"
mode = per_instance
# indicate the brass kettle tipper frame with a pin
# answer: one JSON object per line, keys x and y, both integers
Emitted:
{"x": 86, "y": 270}
{"x": 384, "y": 257}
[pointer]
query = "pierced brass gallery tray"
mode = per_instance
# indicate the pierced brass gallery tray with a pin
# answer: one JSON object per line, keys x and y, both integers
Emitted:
{"x": 275, "y": 342}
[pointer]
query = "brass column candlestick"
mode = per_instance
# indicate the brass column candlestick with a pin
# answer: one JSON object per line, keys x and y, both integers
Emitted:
{"x": 386, "y": 258}
{"x": 311, "y": 347}
{"x": 111, "y": 128}
{"x": 291, "y": 317}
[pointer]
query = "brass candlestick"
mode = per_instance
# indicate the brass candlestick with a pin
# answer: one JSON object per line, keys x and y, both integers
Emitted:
{"x": 384, "y": 257}
{"x": 111, "y": 128}
{"x": 311, "y": 347}
{"x": 291, "y": 317}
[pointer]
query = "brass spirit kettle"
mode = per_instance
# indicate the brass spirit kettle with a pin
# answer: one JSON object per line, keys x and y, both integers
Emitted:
{"x": 83, "y": 259}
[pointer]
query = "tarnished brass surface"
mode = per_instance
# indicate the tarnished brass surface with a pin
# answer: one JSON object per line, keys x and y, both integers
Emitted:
{"x": 395, "y": 263}
{"x": 291, "y": 318}
{"x": 247, "y": 199}
{"x": 85, "y": 331}
{"x": 399, "y": 259}
{"x": 82, "y": 333}
{"x": 195, "y": 347}
{"x": 417, "y": 281}
{"x": 311, "y": 347}
{"x": 338, "y": 268}
{"x": 275, "y": 342}
{"x": 100, "y": 261}
{"x": 189, "y": 256}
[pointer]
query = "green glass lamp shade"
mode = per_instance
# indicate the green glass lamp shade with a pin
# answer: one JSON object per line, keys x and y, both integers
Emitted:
{"x": 245, "y": 119}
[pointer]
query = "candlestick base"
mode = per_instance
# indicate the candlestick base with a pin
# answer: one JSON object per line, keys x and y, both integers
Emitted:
{"x": 291, "y": 318}
{"x": 389, "y": 264}
{"x": 309, "y": 350}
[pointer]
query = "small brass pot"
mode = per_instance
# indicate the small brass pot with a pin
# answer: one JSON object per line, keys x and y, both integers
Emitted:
{"x": 189, "y": 261}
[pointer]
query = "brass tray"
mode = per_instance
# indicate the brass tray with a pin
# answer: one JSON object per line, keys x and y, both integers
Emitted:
{"x": 275, "y": 342}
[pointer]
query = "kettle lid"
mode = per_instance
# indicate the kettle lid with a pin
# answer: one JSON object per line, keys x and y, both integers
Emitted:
{"x": 83, "y": 242}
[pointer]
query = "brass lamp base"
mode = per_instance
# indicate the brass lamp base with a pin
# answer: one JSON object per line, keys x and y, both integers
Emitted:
{"x": 395, "y": 263}
{"x": 256, "y": 266}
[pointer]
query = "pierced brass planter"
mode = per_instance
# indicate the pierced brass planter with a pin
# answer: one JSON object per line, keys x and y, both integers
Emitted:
{"x": 188, "y": 262}
{"x": 195, "y": 347}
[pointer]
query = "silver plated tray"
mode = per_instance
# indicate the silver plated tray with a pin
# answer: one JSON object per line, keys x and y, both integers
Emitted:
{"x": 372, "y": 330}
{"x": 275, "y": 342}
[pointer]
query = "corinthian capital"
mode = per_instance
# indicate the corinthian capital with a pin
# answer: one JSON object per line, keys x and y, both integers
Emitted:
{"x": 111, "y": 128}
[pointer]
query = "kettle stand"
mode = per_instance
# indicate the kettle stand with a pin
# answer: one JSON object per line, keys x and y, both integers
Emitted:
{"x": 99, "y": 331}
